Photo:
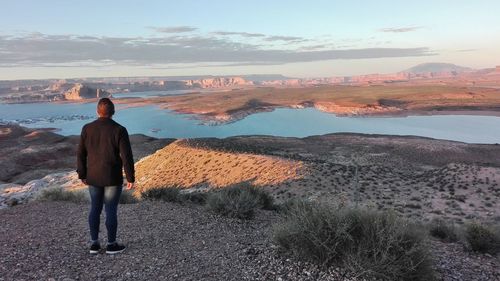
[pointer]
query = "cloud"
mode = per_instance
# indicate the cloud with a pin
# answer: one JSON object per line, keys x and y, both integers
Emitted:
{"x": 285, "y": 38}
{"x": 315, "y": 47}
{"x": 78, "y": 50}
{"x": 264, "y": 37}
{"x": 173, "y": 29}
{"x": 244, "y": 34}
{"x": 401, "y": 29}
{"x": 467, "y": 50}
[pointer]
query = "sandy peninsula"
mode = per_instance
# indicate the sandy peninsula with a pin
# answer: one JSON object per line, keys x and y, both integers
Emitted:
{"x": 380, "y": 100}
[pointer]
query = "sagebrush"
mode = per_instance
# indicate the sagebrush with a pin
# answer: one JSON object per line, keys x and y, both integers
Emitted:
{"x": 196, "y": 197}
{"x": 239, "y": 201}
{"x": 128, "y": 197}
{"x": 482, "y": 238}
{"x": 370, "y": 244}
{"x": 169, "y": 194}
{"x": 62, "y": 194}
{"x": 445, "y": 231}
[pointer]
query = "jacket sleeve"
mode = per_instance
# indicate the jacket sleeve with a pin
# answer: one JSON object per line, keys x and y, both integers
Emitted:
{"x": 81, "y": 157}
{"x": 126, "y": 155}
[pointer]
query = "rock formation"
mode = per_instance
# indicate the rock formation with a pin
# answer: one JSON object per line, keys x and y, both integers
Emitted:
{"x": 80, "y": 92}
{"x": 376, "y": 77}
{"x": 60, "y": 86}
{"x": 14, "y": 194}
{"x": 219, "y": 82}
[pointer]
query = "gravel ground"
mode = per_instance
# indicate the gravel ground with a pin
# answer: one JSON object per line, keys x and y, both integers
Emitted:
{"x": 455, "y": 264}
{"x": 166, "y": 241}
{"x": 48, "y": 241}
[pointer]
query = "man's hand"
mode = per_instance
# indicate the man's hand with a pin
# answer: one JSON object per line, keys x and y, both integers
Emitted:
{"x": 84, "y": 181}
{"x": 130, "y": 185}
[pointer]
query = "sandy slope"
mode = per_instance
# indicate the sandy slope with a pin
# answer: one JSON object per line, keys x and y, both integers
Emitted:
{"x": 186, "y": 165}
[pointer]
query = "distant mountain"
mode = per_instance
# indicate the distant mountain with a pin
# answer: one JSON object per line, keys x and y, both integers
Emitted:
{"x": 437, "y": 68}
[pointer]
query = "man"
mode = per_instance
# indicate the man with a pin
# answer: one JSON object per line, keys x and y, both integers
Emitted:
{"x": 103, "y": 149}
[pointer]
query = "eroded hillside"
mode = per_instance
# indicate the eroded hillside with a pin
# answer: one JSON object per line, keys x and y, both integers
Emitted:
{"x": 185, "y": 164}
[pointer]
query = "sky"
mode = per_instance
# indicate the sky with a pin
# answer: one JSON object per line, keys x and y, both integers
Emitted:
{"x": 313, "y": 38}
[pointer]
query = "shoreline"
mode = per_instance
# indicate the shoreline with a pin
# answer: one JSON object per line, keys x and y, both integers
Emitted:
{"x": 208, "y": 119}
{"x": 223, "y": 118}
{"x": 224, "y": 106}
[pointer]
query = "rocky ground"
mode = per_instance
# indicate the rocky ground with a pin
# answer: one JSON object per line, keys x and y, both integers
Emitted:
{"x": 34, "y": 159}
{"x": 29, "y": 154}
{"x": 418, "y": 177}
{"x": 168, "y": 241}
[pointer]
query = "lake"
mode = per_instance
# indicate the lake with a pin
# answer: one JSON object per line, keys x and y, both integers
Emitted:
{"x": 152, "y": 121}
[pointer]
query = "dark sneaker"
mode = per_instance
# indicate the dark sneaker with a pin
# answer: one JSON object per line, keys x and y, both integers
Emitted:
{"x": 115, "y": 249}
{"x": 94, "y": 249}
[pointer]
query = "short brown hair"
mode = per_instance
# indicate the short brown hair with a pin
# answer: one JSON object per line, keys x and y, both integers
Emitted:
{"x": 105, "y": 107}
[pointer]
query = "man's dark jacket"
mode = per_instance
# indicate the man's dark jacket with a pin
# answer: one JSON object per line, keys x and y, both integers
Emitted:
{"x": 103, "y": 149}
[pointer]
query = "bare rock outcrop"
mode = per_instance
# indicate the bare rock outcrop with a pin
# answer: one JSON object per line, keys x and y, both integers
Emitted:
{"x": 60, "y": 86}
{"x": 81, "y": 92}
{"x": 14, "y": 194}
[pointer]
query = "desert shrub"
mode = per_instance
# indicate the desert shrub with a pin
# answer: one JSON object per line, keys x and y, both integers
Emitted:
{"x": 264, "y": 199}
{"x": 128, "y": 197}
{"x": 168, "y": 194}
{"x": 288, "y": 205}
{"x": 370, "y": 244}
{"x": 444, "y": 231}
{"x": 62, "y": 194}
{"x": 196, "y": 197}
{"x": 235, "y": 202}
{"x": 482, "y": 238}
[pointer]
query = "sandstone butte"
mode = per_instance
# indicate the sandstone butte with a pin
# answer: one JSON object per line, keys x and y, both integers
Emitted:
{"x": 80, "y": 92}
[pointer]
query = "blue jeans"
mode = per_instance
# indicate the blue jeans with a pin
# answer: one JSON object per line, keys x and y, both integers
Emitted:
{"x": 109, "y": 196}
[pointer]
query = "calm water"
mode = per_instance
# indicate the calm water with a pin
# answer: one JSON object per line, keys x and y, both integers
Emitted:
{"x": 152, "y": 121}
